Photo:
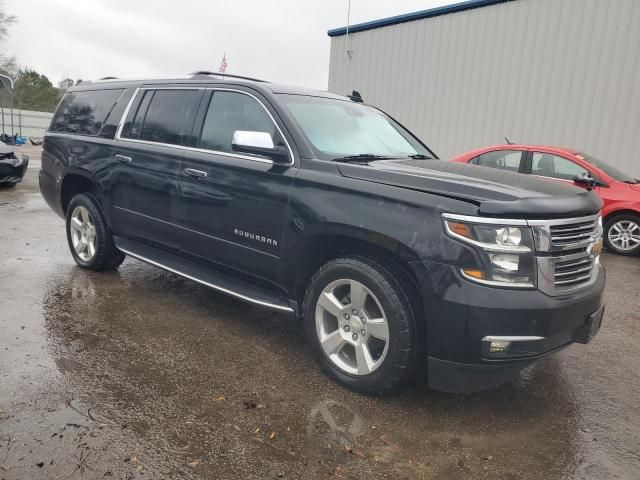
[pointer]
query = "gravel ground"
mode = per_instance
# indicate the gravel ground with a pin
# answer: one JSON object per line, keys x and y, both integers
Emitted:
{"x": 143, "y": 374}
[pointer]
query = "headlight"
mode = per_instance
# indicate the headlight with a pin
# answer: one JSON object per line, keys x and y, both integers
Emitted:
{"x": 505, "y": 250}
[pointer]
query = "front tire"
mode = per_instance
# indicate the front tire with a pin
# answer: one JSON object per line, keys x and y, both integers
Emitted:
{"x": 88, "y": 235}
{"x": 360, "y": 324}
{"x": 622, "y": 234}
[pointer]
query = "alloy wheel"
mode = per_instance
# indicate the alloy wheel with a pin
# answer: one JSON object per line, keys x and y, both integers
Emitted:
{"x": 83, "y": 233}
{"x": 624, "y": 235}
{"x": 352, "y": 327}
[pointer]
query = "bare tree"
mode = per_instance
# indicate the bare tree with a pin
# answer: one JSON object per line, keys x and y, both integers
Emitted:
{"x": 66, "y": 84}
{"x": 5, "y": 22}
{"x": 8, "y": 63}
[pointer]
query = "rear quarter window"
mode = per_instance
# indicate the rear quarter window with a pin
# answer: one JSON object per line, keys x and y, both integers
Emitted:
{"x": 85, "y": 112}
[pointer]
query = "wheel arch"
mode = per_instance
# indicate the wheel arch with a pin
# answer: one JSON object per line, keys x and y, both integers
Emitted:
{"x": 318, "y": 249}
{"x": 73, "y": 182}
{"x": 621, "y": 211}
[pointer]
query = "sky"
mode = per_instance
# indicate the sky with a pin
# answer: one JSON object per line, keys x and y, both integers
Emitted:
{"x": 283, "y": 41}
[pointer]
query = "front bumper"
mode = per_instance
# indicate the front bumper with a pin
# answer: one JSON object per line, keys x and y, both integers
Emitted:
{"x": 463, "y": 316}
{"x": 12, "y": 170}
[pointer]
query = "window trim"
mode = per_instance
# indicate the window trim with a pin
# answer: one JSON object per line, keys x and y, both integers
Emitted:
{"x": 203, "y": 150}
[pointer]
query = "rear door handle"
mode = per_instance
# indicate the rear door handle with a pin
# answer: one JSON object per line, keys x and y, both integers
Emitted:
{"x": 195, "y": 173}
{"x": 122, "y": 158}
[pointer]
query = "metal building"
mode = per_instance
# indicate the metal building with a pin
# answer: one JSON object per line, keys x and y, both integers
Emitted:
{"x": 559, "y": 72}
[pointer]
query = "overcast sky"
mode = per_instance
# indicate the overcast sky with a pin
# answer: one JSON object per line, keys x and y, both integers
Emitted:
{"x": 284, "y": 41}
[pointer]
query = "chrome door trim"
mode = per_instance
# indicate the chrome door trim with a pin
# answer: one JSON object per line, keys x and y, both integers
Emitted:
{"x": 125, "y": 114}
{"x": 208, "y": 284}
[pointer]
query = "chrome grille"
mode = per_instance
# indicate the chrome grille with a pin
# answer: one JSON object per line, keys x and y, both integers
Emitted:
{"x": 573, "y": 270}
{"x": 575, "y": 233}
{"x": 567, "y": 254}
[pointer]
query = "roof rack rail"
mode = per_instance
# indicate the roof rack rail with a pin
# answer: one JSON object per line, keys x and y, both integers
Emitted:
{"x": 108, "y": 78}
{"x": 215, "y": 74}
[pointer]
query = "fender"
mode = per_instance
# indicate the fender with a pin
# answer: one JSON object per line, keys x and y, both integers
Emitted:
{"x": 615, "y": 207}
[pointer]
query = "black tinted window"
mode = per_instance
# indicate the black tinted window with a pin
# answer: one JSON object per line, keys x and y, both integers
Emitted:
{"x": 500, "y": 159}
{"x": 84, "y": 112}
{"x": 170, "y": 116}
{"x": 231, "y": 111}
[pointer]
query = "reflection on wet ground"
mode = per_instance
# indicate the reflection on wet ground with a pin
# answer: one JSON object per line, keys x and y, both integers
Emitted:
{"x": 142, "y": 374}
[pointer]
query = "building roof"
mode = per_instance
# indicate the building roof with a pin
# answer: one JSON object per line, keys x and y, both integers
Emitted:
{"x": 409, "y": 17}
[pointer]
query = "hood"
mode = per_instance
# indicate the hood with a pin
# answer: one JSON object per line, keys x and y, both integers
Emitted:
{"x": 495, "y": 192}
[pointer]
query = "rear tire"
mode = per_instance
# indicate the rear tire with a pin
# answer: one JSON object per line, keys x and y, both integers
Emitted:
{"x": 88, "y": 235}
{"x": 363, "y": 330}
{"x": 622, "y": 234}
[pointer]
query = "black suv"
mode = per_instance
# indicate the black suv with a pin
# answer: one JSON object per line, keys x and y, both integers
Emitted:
{"x": 316, "y": 204}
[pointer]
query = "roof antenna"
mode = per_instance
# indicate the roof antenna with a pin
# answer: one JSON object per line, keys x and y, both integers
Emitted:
{"x": 509, "y": 142}
{"x": 356, "y": 97}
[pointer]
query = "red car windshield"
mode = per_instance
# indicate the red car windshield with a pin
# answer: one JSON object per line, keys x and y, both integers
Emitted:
{"x": 608, "y": 169}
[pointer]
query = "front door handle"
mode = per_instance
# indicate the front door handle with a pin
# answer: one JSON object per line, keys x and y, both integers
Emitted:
{"x": 122, "y": 158}
{"x": 195, "y": 173}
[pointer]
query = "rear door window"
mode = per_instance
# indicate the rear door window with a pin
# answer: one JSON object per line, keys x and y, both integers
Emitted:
{"x": 510, "y": 160}
{"x": 170, "y": 116}
{"x": 231, "y": 111}
{"x": 84, "y": 112}
{"x": 553, "y": 166}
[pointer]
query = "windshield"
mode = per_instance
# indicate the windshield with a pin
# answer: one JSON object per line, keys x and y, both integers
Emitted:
{"x": 608, "y": 169}
{"x": 339, "y": 128}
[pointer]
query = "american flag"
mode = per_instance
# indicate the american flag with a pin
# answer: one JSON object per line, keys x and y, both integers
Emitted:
{"x": 223, "y": 64}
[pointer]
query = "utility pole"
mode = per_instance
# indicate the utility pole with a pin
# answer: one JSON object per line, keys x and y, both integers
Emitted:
{"x": 347, "y": 52}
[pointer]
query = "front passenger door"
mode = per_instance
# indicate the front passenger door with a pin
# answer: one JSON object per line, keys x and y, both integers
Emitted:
{"x": 555, "y": 167}
{"x": 233, "y": 205}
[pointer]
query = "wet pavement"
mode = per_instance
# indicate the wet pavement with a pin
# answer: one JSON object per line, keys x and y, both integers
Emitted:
{"x": 143, "y": 374}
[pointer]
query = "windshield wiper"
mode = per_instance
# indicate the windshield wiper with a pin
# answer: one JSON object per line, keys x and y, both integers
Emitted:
{"x": 360, "y": 158}
{"x": 420, "y": 156}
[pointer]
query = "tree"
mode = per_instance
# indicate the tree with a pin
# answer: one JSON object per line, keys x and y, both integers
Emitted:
{"x": 34, "y": 91}
{"x": 6, "y": 20}
{"x": 8, "y": 64}
{"x": 66, "y": 84}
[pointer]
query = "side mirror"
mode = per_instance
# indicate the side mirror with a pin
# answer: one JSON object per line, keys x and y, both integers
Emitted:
{"x": 258, "y": 143}
{"x": 587, "y": 180}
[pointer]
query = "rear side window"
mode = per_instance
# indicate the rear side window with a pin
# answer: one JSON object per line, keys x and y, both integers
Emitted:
{"x": 165, "y": 116}
{"x": 84, "y": 112}
{"x": 501, "y": 159}
{"x": 231, "y": 111}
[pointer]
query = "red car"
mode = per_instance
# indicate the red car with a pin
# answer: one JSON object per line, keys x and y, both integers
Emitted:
{"x": 620, "y": 192}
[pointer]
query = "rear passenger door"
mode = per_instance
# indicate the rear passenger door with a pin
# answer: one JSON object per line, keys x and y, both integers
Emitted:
{"x": 509, "y": 160}
{"x": 144, "y": 179}
{"x": 233, "y": 205}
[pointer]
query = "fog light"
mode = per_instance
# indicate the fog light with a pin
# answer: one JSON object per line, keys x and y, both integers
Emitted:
{"x": 499, "y": 346}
